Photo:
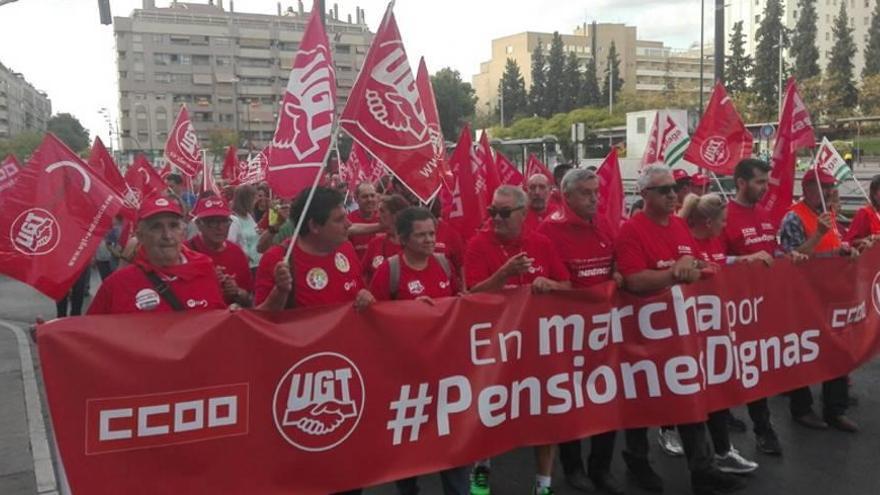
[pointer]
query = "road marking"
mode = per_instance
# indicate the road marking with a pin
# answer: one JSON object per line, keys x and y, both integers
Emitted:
{"x": 44, "y": 472}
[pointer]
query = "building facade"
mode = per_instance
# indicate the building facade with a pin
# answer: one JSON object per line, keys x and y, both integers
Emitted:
{"x": 645, "y": 66}
{"x": 22, "y": 106}
{"x": 750, "y": 12}
{"x": 229, "y": 68}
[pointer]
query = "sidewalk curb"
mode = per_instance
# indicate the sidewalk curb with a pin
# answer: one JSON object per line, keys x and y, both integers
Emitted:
{"x": 44, "y": 472}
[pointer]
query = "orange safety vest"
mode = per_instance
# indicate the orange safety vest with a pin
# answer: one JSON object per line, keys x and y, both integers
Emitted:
{"x": 810, "y": 220}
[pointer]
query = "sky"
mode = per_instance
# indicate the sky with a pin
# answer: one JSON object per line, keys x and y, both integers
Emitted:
{"x": 61, "y": 48}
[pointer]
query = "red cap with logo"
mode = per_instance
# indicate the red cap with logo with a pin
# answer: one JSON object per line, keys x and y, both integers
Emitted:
{"x": 680, "y": 175}
{"x": 154, "y": 205}
{"x": 823, "y": 176}
{"x": 699, "y": 180}
{"x": 211, "y": 206}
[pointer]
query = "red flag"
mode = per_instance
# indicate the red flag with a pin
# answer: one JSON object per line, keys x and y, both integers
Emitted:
{"x": 165, "y": 172}
{"x": 230, "y": 162}
{"x": 385, "y": 114}
{"x": 52, "y": 221}
{"x": 652, "y": 150}
{"x": 507, "y": 170}
{"x": 488, "y": 167}
{"x": 795, "y": 131}
{"x": 464, "y": 199}
{"x": 143, "y": 179}
{"x": 611, "y": 199}
{"x": 721, "y": 139}
{"x": 9, "y": 169}
{"x": 432, "y": 116}
{"x": 305, "y": 120}
{"x": 534, "y": 166}
{"x": 103, "y": 166}
{"x": 360, "y": 168}
{"x": 182, "y": 147}
{"x": 253, "y": 170}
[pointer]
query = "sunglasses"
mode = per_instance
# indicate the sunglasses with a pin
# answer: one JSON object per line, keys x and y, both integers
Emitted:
{"x": 664, "y": 190}
{"x": 504, "y": 213}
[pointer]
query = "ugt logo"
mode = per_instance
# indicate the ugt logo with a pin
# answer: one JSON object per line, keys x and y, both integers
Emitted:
{"x": 875, "y": 292}
{"x": 34, "y": 232}
{"x": 319, "y": 402}
{"x": 714, "y": 151}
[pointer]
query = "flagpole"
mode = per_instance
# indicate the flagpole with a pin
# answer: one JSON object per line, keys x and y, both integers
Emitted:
{"x": 720, "y": 187}
{"x": 311, "y": 196}
{"x": 204, "y": 170}
{"x": 821, "y": 194}
{"x": 859, "y": 185}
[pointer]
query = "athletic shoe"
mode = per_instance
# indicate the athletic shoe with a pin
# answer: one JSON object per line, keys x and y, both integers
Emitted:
{"x": 480, "y": 481}
{"x": 542, "y": 491}
{"x": 768, "y": 442}
{"x": 734, "y": 463}
{"x": 670, "y": 442}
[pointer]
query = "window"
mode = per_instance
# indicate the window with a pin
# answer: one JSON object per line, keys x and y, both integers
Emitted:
{"x": 162, "y": 77}
{"x": 136, "y": 38}
{"x": 139, "y": 76}
{"x": 343, "y": 48}
{"x": 757, "y": 19}
{"x": 159, "y": 38}
{"x": 161, "y": 120}
{"x": 161, "y": 59}
{"x": 866, "y": 21}
{"x": 640, "y": 125}
{"x": 509, "y": 49}
{"x": 223, "y": 61}
{"x": 201, "y": 60}
{"x": 218, "y": 41}
{"x": 123, "y": 74}
{"x": 179, "y": 40}
{"x": 827, "y": 36}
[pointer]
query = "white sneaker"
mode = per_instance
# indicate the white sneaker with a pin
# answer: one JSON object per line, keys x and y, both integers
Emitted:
{"x": 734, "y": 463}
{"x": 670, "y": 442}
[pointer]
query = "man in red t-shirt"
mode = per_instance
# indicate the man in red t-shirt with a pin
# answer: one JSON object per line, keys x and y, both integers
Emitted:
{"x": 161, "y": 262}
{"x": 325, "y": 269}
{"x": 368, "y": 204}
{"x": 539, "y": 206}
{"x": 507, "y": 256}
{"x": 654, "y": 251}
{"x": 212, "y": 219}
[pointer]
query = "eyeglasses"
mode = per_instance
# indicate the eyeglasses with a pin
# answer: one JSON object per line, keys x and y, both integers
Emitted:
{"x": 665, "y": 189}
{"x": 504, "y": 213}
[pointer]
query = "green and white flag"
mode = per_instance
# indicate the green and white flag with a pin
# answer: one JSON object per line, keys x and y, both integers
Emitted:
{"x": 674, "y": 142}
{"x": 831, "y": 162}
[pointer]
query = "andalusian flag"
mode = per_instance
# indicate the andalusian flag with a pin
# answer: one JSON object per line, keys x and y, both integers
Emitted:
{"x": 830, "y": 160}
{"x": 667, "y": 142}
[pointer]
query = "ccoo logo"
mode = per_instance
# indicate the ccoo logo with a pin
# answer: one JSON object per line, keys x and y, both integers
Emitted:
{"x": 35, "y": 232}
{"x": 319, "y": 402}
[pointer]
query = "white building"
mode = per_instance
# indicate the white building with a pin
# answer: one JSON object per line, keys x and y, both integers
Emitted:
{"x": 752, "y": 11}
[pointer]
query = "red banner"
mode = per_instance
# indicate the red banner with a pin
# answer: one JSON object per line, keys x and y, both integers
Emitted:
{"x": 210, "y": 402}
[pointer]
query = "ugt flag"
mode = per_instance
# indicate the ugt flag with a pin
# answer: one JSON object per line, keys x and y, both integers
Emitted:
{"x": 305, "y": 122}
{"x": 143, "y": 179}
{"x": 721, "y": 139}
{"x": 9, "y": 168}
{"x": 52, "y": 221}
{"x": 611, "y": 198}
{"x": 182, "y": 147}
{"x": 385, "y": 114}
{"x": 103, "y": 165}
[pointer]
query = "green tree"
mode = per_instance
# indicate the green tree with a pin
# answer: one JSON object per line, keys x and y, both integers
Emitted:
{"x": 872, "y": 51}
{"x": 590, "y": 93}
{"x": 803, "y": 42}
{"x": 869, "y": 97}
{"x": 219, "y": 139}
{"x": 612, "y": 74}
{"x": 538, "y": 91}
{"x": 668, "y": 80}
{"x": 513, "y": 87}
{"x": 68, "y": 129}
{"x": 571, "y": 84}
{"x": 765, "y": 83}
{"x": 555, "y": 76}
{"x": 21, "y": 145}
{"x": 739, "y": 65}
{"x": 842, "y": 93}
{"x": 455, "y": 101}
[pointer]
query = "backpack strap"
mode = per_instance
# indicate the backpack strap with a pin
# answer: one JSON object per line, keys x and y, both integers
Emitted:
{"x": 394, "y": 275}
{"x": 164, "y": 291}
{"x": 444, "y": 264}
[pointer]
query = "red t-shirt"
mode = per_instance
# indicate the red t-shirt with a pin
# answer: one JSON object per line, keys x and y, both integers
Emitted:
{"x": 360, "y": 241}
{"x": 379, "y": 249}
{"x": 645, "y": 245}
{"x": 431, "y": 281}
{"x": 586, "y": 248}
{"x": 317, "y": 280}
{"x": 486, "y": 253}
{"x": 865, "y": 223}
{"x": 712, "y": 249}
{"x": 128, "y": 290}
{"x": 449, "y": 242}
{"x": 534, "y": 219}
{"x": 748, "y": 231}
{"x": 230, "y": 258}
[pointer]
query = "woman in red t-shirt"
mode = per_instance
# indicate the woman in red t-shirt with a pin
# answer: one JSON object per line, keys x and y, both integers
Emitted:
{"x": 706, "y": 217}
{"x": 387, "y": 244}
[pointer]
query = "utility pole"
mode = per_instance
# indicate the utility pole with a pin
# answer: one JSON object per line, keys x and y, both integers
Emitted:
{"x": 502, "y": 102}
{"x": 719, "y": 41}
{"x": 702, "y": 45}
{"x": 780, "y": 72}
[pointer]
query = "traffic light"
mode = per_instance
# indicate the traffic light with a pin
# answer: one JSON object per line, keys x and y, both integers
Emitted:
{"x": 104, "y": 10}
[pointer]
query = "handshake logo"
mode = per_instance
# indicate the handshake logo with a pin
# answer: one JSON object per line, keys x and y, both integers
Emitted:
{"x": 319, "y": 401}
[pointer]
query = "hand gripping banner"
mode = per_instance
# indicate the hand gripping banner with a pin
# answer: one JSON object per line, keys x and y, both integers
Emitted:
{"x": 219, "y": 402}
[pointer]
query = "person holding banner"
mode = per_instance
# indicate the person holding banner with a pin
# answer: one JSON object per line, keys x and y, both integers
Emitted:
{"x": 506, "y": 255}
{"x": 165, "y": 275}
{"x": 538, "y": 188}
{"x": 585, "y": 242}
{"x": 810, "y": 229}
{"x": 865, "y": 226}
{"x": 654, "y": 251}
{"x": 386, "y": 244}
{"x": 368, "y": 203}
{"x": 323, "y": 269}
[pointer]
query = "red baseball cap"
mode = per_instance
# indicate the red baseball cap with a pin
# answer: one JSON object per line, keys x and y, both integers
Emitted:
{"x": 154, "y": 205}
{"x": 680, "y": 175}
{"x": 699, "y": 180}
{"x": 211, "y": 206}
{"x": 823, "y": 176}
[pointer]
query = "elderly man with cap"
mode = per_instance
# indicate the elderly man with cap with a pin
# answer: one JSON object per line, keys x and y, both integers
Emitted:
{"x": 164, "y": 275}
{"x": 540, "y": 207}
{"x": 811, "y": 229}
{"x": 212, "y": 219}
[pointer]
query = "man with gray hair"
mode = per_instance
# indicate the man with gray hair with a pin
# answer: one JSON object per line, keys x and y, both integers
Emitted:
{"x": 504, "y": 255}
{"x": 540, "y": 207}
{"x": 654, "y": 251}
{"x": 585, "y": 242}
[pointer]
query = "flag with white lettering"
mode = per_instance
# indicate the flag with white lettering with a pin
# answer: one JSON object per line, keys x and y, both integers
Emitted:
{"x": 182, "y": 147}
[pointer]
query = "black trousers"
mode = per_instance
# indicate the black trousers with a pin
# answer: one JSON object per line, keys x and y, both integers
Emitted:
{"x": 456, "y": 481}
{"x": 717, "y": 425}
{"x": 835, "y": 398}
{"x": 75, "y": 297}
{"x": 601, "y": 452}
{"x": 759, "y": 412}
{"x": 693, "y": 439}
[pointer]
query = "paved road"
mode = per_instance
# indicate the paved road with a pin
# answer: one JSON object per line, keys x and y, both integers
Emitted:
{"x": 815, "y": 463}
